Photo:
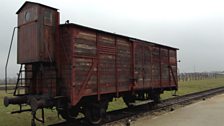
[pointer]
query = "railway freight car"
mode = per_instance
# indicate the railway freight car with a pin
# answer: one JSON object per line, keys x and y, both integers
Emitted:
{"x": 78, "y": 69}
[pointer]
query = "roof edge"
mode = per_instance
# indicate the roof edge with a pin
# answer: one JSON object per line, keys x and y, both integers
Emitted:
{"x": 131, "y": 38}
{"x": 34, "y": 3}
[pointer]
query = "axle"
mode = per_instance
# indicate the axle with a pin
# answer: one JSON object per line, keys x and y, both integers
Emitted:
{"x": 15, "y": 100}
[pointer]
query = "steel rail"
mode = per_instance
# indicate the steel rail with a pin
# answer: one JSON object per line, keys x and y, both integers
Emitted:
{"x": 165, "y": 105}
{"x": 123, "y": 117}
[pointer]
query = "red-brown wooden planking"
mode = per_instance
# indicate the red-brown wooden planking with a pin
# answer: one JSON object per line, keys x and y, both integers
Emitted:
{"x": 36, "y": 33}
{"x": 76, "y": 61}
{"x": 103, "y": 63}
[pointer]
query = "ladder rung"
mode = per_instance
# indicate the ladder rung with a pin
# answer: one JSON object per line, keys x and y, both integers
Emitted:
{"x": 25, "y": 78}
{"x": 23, "y": 87}
{"x": 23, "y": 82}
{"x": 21, "y": 94}
{"x": 26, "y": 71}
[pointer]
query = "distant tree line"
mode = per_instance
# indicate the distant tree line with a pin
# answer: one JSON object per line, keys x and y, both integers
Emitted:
{"x": 198, "y": 76}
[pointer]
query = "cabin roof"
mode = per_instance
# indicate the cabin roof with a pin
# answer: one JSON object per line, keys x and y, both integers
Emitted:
{"x": 130, "y": 38}
{"x": 28, "y": 2}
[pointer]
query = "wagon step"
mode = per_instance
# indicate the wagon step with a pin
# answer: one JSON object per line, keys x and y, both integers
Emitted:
{"x": 22, "y": 87}
{"x": 141, "y": 103}
{"x": 20, "y": 111}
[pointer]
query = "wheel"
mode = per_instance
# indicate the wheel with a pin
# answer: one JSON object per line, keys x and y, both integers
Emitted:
{"x": 129, "y": 99}
{"x": 155, "y": 96}
{"x": 93, "y": 115}
{"x": 69, "y": 114}
{"x": 95, "y": 112}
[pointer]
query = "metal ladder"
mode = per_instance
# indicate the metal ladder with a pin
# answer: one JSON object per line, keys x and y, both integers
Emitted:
{"x": 23, "y": 81}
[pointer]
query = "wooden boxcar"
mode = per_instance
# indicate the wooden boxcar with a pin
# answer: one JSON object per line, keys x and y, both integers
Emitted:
{"x": 80, "y": 69}
{"x": 99, "y": 63}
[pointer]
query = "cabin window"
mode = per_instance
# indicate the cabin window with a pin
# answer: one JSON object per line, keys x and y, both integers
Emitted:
{"x": 28, "y": 15}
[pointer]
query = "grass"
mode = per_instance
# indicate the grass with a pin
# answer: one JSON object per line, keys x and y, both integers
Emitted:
{"x": 23, "y": 119}
{"x": 188, "y": 87}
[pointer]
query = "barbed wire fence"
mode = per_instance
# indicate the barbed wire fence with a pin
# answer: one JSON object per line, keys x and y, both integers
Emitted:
{"x": 199, "y": 76}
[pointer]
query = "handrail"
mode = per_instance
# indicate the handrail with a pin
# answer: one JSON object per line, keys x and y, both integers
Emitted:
{"x": 6, "y": 65}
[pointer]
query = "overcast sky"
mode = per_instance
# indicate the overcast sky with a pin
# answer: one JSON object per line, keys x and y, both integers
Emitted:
{"x": 196, "y": 27}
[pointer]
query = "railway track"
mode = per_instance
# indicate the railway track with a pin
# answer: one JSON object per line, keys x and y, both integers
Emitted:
{"x": 124, "y": 117}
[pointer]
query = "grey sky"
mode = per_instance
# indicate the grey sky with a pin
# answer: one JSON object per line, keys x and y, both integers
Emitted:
{"x": 196, "y": 27}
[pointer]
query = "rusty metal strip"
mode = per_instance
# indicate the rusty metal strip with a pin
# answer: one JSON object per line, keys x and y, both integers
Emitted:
{"x": 143, "y": 65}
{"x": 98, "y": 72}
{"x": 168, "y": 66}
{"x": 150, "y": 49}
{"x": 160, "y": 68}
{"x": 133, "y": 67}
{"x": 87, "y": 77}
{"x": 174, "y": 79}
{"x": 27, "y": 23}
{"x": 116, "y": 73}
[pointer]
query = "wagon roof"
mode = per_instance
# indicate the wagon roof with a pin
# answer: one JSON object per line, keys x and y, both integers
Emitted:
{"x": 130, "y": 38}
{"x": 28, "y": 2}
